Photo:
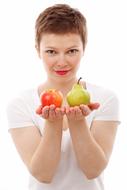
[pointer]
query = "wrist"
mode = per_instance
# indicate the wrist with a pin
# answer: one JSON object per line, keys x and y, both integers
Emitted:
{"x": 78, "y": 124}
{"x": 78, "y": 121}
{"x": 54, "y": 124}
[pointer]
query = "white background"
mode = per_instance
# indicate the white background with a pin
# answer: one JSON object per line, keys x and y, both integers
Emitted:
{"x": 104, "y": 64}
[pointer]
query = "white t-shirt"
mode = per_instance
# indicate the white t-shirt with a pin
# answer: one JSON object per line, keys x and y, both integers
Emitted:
{"x": 21, "y": 113}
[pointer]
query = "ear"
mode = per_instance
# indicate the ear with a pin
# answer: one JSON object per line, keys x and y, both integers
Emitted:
{"x": 38, "y": 50}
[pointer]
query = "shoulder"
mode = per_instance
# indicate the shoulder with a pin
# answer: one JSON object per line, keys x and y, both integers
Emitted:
{"x": 20, "y": 109}
{"x": 109, "y": 102}
{"x": 22, "y": 99}
{"x": 101, "y": 93}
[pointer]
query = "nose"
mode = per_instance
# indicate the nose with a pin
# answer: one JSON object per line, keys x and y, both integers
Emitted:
{"x": 61, "y": 61}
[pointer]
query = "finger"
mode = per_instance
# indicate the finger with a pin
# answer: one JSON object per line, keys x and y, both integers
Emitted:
{"x": 39, "y": 110}
{"x": 78, "y": 112}
{"x": 67, "y": 110}
{"x": 72, "y": 112}
{"x": 52, "y": 106}
{"x": 94, "y": 106}
{"x": 85, "y": 110}
{"x": 52, "y": 110}
{"x": 62, "y": 110}
{"x": 58, "y": 112}
{"x": 45, "y": 112}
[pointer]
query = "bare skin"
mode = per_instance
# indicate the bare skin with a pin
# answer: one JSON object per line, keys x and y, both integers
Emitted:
{"x": 92, "y": 146}
{"x": 39, "y": 155}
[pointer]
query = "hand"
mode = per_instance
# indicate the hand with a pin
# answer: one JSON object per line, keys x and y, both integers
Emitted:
{"x": 79, "y": 112}
{"x": 87, "y": 109}
{"x": 51, "y": 113}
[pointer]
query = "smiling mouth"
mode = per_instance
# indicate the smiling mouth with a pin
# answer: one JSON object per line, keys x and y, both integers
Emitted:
{"x": 63, "y": 72}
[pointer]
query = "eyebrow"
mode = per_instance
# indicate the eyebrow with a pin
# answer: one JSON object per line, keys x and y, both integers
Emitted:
{"x": 71, "y": 47}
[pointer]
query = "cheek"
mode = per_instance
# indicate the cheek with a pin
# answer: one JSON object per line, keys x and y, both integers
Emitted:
{"x": 48, "y": 62}
{"x": 75, "y": 61}
{"x": 48, "y": 65}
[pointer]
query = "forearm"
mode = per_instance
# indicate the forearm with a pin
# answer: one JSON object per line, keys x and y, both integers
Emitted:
{"x": 90, "y": 156}
{"x": 47, "y": 155}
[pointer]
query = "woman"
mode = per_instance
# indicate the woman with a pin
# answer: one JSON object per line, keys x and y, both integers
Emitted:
{"x": 68, "y": 147}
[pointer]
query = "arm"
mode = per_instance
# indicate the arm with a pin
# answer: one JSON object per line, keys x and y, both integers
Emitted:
{"x": 41, "y": 154}
{"x": 93, "y": 146}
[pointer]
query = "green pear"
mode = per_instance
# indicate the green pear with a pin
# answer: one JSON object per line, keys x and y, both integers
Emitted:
{"x": 78, "y": 95}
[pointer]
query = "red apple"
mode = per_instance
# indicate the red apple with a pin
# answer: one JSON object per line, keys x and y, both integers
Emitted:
{"x": 51, "y": 96}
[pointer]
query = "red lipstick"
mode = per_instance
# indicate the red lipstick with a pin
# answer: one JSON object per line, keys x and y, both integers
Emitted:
{"x": 63, "y": 72}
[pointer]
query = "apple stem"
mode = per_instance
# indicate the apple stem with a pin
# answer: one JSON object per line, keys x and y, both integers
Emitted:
{"x": 79, "y": 80}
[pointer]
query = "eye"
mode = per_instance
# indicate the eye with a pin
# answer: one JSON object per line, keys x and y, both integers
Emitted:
{"x": 72, "y": 51}
{"x": 50, "y": 52}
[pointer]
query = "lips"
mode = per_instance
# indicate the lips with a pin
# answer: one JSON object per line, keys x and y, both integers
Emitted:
{"x": 62, "y": 72}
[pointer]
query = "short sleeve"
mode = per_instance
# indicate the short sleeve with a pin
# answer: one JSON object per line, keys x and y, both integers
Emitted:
{"x": 18, "y": 114}
{"x": 109, "y": 109}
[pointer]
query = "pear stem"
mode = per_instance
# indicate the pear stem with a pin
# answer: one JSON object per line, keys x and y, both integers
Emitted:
{"x": 79, "y": 80}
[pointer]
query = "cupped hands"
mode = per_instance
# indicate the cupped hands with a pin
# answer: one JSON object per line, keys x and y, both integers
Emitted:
{"x": 73, "y": 113}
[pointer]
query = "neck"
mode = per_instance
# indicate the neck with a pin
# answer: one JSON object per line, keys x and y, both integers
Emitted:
{"x": 63, "y": 86}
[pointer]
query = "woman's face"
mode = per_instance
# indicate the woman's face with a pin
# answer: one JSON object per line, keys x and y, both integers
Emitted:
{"x": 61, "y": 55}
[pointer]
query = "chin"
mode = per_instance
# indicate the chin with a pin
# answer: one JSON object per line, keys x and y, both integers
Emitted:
{"x": 65, "y": 79}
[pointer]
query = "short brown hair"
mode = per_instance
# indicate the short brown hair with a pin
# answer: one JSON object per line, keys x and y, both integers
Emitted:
{"x": 60, "y": 19}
